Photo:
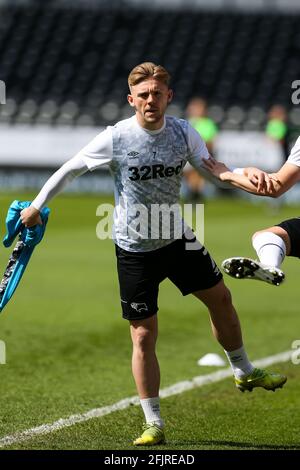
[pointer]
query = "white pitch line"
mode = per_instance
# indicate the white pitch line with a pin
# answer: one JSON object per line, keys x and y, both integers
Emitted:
{"x": 175, "y": 389}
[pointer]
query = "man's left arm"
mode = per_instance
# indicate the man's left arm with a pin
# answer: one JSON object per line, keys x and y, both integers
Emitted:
{"x": 255, "y": 180}
{"x": 200, "y": 159}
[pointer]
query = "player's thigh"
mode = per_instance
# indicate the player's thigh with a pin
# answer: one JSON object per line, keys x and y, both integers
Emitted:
{"x": 289, "y": 231}
{"x": 216, "y": 297}
{"x": 139, "y": 278}
{"x": 191, "y": 268}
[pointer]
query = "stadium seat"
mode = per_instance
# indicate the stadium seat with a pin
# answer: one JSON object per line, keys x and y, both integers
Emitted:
{"x": 51, "y": 56}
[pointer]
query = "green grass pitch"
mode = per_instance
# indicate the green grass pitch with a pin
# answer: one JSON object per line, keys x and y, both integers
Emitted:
{"x": 68, "y": 349}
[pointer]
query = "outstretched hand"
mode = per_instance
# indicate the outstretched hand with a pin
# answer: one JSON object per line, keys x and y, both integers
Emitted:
{"x": 30, "y": 217}
{"x": 262, "y": 180}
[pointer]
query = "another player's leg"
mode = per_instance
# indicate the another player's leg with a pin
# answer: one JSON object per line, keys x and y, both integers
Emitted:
{"x": 271, "y": 246}
{"x": 226, "y": 329}
{"x": 145, "y": 369}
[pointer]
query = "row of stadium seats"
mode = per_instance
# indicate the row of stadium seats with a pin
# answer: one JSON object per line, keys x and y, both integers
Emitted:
{"x": 70, "y": 66}
{"x": 69, "y": 113}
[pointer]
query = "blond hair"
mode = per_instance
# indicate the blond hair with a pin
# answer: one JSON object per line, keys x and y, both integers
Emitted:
{"x": 148, "y": 70}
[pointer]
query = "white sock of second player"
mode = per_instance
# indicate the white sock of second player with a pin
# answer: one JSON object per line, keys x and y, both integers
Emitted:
{"x": 270, "y": 248}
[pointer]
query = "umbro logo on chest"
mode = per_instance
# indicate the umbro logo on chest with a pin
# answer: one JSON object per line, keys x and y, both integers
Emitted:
{"x": 133, "y": 154}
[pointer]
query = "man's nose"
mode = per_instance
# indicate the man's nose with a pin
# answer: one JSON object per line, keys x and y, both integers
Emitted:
{"x": 150, "y": 98}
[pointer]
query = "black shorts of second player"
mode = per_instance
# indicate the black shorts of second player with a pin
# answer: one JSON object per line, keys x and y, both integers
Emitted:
{"x": 140, "y": 274}
{"x": 292, "y": 227}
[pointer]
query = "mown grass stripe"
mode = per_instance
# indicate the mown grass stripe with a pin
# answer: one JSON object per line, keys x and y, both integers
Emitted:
{"x": 175, "y": 389}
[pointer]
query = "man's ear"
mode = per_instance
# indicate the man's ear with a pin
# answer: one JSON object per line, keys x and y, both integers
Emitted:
{"x": 130, "y": 100}
{"x": 170, "y": 96}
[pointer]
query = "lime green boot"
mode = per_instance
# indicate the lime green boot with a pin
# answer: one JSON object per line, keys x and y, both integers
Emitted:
{"x": 260, "y": 378}
{"x": 151, "y": 436}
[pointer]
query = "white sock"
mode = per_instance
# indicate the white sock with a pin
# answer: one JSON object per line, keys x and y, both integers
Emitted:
{"x": 239, "y": 362}
{"x": 152, "y": 411}
{"x": 270, "y": 248}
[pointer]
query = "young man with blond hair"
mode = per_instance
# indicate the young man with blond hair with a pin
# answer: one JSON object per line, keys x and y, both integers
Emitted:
{"x": 146, "y": 155}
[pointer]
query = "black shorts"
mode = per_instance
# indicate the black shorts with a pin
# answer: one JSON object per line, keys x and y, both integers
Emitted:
{"x": 140, "y": 274}
{"x": 292, "y": 227}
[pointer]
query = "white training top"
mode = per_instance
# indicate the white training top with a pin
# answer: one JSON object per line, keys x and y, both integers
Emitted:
{"x": 147, "y": 170}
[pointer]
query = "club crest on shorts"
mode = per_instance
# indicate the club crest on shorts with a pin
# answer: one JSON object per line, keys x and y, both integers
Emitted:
{"x": 139, "y": 306}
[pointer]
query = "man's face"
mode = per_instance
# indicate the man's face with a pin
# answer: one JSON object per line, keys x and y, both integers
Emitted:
{"x": 150, "y": 99}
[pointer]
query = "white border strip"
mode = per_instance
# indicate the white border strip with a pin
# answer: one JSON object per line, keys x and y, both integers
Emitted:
{"x": 175, "y": 389}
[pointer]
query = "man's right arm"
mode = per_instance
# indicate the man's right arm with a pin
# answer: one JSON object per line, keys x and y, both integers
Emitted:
{"x": 97, "y": 153}
{"x": 70, "y": 170}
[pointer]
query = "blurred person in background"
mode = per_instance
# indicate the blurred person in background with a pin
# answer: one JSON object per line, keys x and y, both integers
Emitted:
{"x": 277, "y": 128}
{"x": 193, "y": 184}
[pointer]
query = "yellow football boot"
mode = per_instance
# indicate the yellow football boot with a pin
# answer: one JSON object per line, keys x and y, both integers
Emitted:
{"x": 260, "y": 378}
{"x": 151, "y": 436}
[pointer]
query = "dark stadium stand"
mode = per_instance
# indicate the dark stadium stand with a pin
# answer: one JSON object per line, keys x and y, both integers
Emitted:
{"x": 70, "y": 66}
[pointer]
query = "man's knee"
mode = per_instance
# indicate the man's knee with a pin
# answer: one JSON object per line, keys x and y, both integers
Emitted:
{"x": 276, "y": 230}
{"x": 216, "y": 297}
{"x": 259, "y": 232}
{"x": 143, "y": 337}
{"x": 226, "y": 298}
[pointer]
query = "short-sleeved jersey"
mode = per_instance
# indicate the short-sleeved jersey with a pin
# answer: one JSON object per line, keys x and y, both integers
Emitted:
{"x": 147, "y": 170}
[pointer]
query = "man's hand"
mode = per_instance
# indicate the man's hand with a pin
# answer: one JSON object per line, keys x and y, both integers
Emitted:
{"x": 262, "y": 180}
{"x": 30, "y": 217}
{"x": 217, "y": 169}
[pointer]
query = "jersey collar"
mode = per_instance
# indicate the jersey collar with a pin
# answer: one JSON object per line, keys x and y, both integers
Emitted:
{"x": 157, "y": 131}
